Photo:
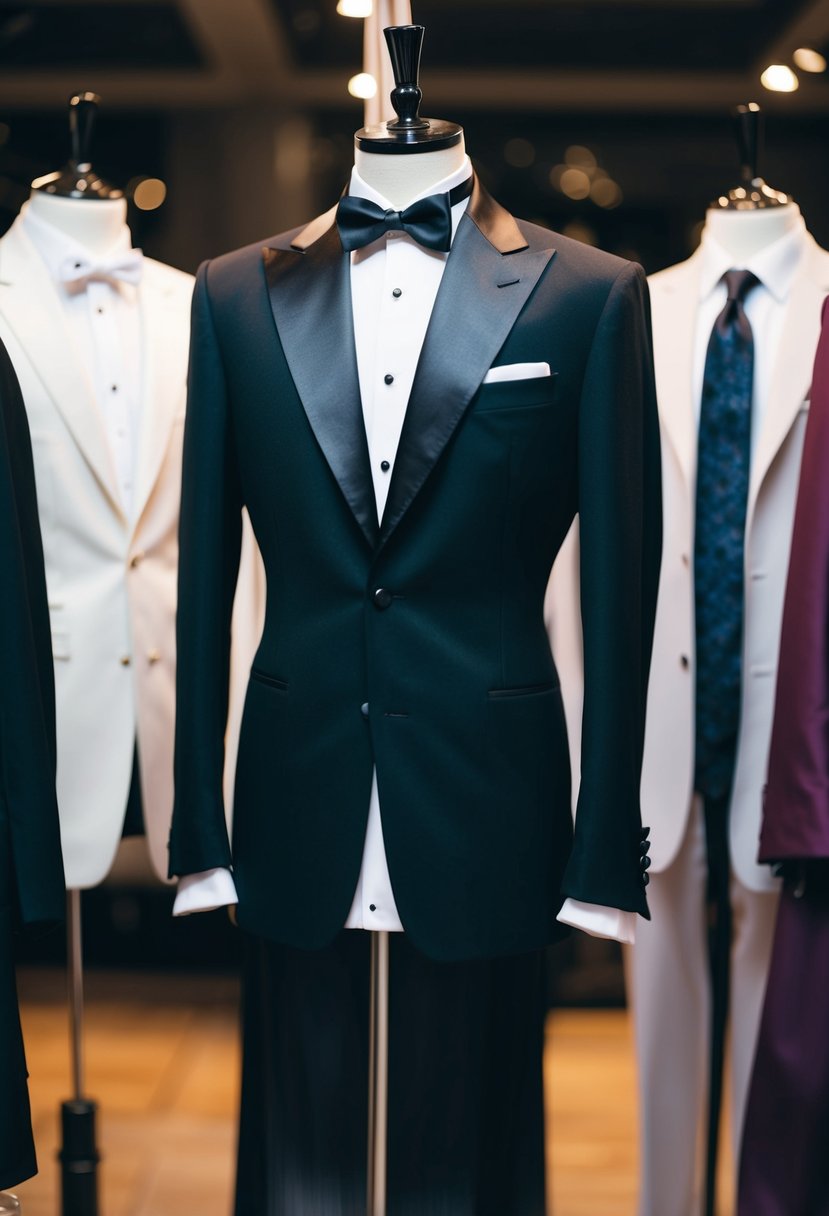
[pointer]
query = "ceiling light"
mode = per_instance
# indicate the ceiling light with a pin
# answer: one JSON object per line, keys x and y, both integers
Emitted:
{"x": 363, "y": 85}
{"x": 149, "y": 194}
{"x": 808, "y": 60}
{"x": 575, "y": 183}
{"x": 606, "y": 193}
{"x": 779, "y": 78}
{"x": 580, "y": 156}
{"x": 355, "y": 8}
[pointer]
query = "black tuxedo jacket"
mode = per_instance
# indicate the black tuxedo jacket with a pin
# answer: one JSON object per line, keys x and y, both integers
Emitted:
{"x": 417, "y": 643}
{"x": 31, "y": 868}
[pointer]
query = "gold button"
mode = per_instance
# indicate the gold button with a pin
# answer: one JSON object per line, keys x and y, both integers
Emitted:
{"x": 126, "y": 660}
{"x": 153, "y": 656}
{"x": 137, "y": 558}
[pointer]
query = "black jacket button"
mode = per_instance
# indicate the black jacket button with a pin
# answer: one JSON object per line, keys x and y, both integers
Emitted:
{"x": 382, "y": 598}
{"x": 364, "y": 709}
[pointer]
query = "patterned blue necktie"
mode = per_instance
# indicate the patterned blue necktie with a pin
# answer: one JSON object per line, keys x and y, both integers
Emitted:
{"x": 723, "y": 463}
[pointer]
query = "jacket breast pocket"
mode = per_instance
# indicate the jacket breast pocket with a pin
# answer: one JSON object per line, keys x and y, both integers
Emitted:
{"x": 264, "y": 677}
{"x": 516, "y": 394}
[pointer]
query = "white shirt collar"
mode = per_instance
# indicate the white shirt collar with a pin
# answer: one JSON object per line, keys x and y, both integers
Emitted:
{"x": 361, "y": 189}
{"x": 55, "y": 246}
{"x": 774, "y": 266}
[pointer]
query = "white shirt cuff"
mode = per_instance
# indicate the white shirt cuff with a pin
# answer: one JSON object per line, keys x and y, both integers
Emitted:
{"x": 205, "y": 892}
{"x": 599, "y": 921}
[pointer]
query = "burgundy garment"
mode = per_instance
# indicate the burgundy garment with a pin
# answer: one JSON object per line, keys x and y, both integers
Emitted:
{"x": 784, "y": 1166}
{"x": 785, "y": 1159}
{"x": 796, "y": 813}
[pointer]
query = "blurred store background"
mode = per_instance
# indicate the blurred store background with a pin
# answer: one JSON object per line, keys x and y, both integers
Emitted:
{"x": 230, "y": 120}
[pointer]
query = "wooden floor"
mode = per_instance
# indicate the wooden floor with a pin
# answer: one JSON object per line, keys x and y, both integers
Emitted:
{"x": 163, "y": 1062}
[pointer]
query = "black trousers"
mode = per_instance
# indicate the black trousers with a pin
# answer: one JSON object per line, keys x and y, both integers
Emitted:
{"x": 466, "y": 1130}
{"x": 17, "y": 1150}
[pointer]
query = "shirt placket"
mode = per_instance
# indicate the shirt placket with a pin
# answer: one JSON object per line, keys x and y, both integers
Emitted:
{"x": 113, "y": 391}
{"x": 394, "y": 369}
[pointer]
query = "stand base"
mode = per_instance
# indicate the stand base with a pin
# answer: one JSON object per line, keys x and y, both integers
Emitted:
{"x": 79, "y": 1159}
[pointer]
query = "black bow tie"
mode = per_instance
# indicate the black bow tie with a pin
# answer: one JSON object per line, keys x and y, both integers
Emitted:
{"x": 428, "y": 221}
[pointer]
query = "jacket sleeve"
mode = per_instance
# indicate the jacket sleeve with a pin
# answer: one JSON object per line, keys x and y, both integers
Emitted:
{"x": 796, "y": 811}
{"x": 30, "y": 849}
{"x": 210, "y": 532}
{"x": 620, "y": 521}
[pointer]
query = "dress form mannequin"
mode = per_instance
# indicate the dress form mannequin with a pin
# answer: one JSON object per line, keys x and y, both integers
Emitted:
{"x": 449, "y": 1147}
{"x": 99, "y": 335}
{"x": 90, "y": 211}
{"x": 683, "y": 983}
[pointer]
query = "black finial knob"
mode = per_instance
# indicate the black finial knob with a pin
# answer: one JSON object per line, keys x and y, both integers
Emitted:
{"x": 752, "y": 194}
{"x": 410, "y": 133}
{"x": 83, "y": 110}
{"x": 405, "y": 43}
{"x": 748, "y": 126}
{"x": 77, "y": 178}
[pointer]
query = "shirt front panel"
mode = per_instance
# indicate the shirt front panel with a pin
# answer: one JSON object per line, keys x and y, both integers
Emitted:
{"x": 765, "y": 307}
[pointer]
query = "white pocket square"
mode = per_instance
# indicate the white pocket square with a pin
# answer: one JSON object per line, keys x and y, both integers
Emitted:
{"x": 517, "y": 371}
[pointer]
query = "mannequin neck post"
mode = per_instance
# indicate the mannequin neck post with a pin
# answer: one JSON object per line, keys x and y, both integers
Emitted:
{"x": 96, "y": 224}
{"x": 403, "y": 177}
{"x": 744, "y": 233}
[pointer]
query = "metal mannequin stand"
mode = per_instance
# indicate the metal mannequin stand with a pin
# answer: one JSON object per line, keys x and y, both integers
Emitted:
{"x": 378, "y": 1076}
{"x": 79, "y": 1156}
{"x": 9, "y": 1204}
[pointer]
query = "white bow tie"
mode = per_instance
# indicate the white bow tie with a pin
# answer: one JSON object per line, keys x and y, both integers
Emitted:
{"x": 124, "y": 267}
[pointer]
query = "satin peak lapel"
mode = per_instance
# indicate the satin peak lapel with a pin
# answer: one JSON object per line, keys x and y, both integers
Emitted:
{"x": 310, "y": 294}
{"x": 487, "y": 290}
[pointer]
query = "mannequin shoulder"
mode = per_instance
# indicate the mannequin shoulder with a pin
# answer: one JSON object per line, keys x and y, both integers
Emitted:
{"x": 579, "y": 267}
{"x": 669, "y": 278}
{"x": 168, "y": 279}
{"x": 230, "y": 272}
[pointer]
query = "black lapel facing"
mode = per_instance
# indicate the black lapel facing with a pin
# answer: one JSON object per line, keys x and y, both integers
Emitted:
{"x": 489, "y": 277}
{"x": 310, "y": 293}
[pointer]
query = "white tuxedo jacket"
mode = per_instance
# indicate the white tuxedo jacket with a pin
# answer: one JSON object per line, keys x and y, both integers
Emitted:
{"x": 668, "y": 767}
{"x": 111, "y": 582}
{"x": 667, "y": 772}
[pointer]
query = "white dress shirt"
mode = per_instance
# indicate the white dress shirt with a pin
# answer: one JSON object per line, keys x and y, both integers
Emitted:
{"x": 394, "y": 285}
{"x": 765, "y": 306}
{"x": 102, "y": 317}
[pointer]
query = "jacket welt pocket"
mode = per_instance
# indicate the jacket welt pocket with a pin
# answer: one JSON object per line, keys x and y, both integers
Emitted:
{"x": 262, "y": 677}
{"x": 524, "y": 690}
{"x": 516, "y": 394}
